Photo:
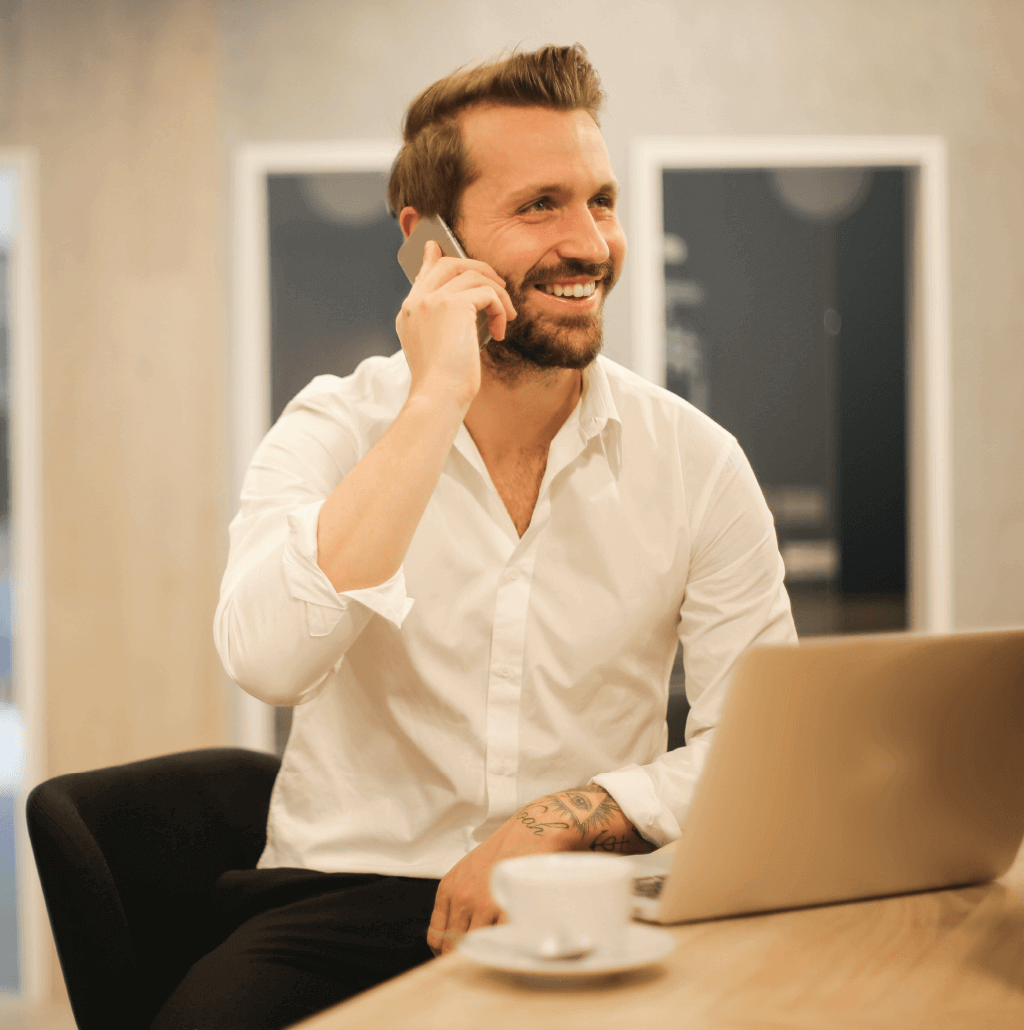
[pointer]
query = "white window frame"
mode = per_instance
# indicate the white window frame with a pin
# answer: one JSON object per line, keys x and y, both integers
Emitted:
{"x": 27, "y": 560}
{"x": 250, "y": 372}
{"x": 929, "y": 452}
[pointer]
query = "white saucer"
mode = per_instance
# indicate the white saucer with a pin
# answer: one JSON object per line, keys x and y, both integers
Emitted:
{"x": 495, "y": 946}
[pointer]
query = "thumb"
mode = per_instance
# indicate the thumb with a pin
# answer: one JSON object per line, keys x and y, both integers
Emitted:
{"x": 431, "y": 256}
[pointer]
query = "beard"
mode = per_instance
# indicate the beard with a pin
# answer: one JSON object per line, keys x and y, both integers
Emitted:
{"x": 537, "y": 343}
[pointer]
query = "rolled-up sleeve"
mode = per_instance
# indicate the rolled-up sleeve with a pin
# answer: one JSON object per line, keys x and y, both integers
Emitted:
{"x": 280, "y": 626}
{"x": 734, "y": 598}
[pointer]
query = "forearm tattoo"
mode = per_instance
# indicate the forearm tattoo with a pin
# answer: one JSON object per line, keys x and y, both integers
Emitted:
{"x": 590, "y": 811}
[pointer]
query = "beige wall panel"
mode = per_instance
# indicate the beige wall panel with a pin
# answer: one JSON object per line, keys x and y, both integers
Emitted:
{"x": 121, "y": 100}
{"x": 336, "y": 68}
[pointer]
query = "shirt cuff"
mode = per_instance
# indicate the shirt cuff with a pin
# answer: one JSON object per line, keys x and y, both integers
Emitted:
{"x": 308, "y": 582}
{"x": 634, "y": 793}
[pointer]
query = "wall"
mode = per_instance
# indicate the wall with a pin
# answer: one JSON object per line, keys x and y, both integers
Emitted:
{"x": 120, "y": 98}
{"x": 327, "y": 69}
{"x": 135, "y": 106}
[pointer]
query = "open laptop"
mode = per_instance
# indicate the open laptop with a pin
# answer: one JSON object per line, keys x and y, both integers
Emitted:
{"x": 852, "y": 767}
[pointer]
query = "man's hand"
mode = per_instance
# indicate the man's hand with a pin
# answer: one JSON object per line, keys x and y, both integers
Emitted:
{"x": 578, "y": 819}
{"x": 437, "y": 324}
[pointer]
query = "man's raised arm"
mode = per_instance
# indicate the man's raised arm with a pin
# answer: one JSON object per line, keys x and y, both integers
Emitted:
{"x": 319, "y": 520}
{"x": 367, "y": 523}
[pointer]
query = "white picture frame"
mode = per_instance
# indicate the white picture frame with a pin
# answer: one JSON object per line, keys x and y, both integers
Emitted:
{"x": 26, "y": 470}
{"x": 250, "y": 352}
{"x": 929, "y": 449}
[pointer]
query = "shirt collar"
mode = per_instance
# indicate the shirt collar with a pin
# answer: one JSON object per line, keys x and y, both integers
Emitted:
{"x": 595, "y": 410}
{"x": 598, "y": 405}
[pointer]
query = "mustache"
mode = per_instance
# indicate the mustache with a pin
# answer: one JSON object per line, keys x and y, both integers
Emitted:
{"x": 570, "y": 268}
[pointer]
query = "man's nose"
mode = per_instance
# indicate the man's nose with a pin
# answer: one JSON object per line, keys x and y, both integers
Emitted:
{"x": 582, "y": 237}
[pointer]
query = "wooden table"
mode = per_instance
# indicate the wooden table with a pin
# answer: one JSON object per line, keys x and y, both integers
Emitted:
{"x": 944, "y": 959}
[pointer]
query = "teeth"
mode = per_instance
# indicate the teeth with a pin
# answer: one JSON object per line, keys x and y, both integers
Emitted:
{"x": 576, "y": 290}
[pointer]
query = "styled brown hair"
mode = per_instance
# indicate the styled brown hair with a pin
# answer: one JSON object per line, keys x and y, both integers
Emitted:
{"x": 432, "y": 168}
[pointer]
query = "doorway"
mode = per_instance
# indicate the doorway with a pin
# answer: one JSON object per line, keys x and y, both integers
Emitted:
{"x": 786, "y": 322}
{"x": 830, "y": 195}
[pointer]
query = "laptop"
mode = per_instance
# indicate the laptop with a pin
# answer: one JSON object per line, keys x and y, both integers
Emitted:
{"x": 852, "y": 767}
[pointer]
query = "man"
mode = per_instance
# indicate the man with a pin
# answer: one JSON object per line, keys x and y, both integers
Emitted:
{"x": 469, "y": 570}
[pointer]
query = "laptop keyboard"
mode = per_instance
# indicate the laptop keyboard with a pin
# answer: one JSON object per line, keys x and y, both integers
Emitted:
{"x": 648, "y": 886}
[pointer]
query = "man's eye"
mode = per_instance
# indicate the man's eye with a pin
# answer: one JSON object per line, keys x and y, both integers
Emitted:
{"x": 604, "y": 201}
{"x": 543, "y": 204}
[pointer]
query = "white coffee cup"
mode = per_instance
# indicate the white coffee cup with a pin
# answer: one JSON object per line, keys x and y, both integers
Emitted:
{"x": 565, "y": 903}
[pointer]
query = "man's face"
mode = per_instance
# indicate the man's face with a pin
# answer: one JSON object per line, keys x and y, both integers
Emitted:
{"x": 542, "y": 214}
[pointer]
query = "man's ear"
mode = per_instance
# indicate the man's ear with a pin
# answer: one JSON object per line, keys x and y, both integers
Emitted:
{"x": 408, "y": 219}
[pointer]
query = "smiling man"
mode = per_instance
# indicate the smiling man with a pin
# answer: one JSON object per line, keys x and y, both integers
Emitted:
{"x": 470, "y": 570}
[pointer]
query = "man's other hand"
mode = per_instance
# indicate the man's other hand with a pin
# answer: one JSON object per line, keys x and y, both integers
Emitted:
{"x": 579, "y": 819}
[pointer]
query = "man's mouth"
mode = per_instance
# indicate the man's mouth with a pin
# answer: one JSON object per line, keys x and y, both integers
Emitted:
{"x": 573, "y": 290}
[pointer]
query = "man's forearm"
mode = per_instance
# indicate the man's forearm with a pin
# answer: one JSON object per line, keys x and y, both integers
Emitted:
{"x": 367, "y": 523}
{"x": 582, "y": 819}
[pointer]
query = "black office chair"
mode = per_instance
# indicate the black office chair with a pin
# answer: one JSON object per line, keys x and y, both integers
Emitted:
{"x": 676, "y": 716}
{"x": 127, "y": 857}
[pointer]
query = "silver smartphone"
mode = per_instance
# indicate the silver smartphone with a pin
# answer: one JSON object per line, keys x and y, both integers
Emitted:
{"x": 410, "y": 257}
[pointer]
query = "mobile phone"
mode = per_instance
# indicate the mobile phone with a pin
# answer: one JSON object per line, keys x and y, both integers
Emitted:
{"x": 410, "y": 257}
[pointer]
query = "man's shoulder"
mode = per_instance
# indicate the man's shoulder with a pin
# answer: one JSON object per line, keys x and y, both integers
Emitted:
{"x": 377, "y": 389}
{"x": 641, "y": 403}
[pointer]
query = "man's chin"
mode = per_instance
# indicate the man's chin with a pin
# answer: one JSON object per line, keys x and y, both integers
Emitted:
{"x": 517, "y": 356}
{"x": 572, "y": 343}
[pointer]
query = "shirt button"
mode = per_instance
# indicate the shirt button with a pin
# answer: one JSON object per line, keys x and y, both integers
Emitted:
{"x": 506, "y": 672}
{"x": 513, "y": 574}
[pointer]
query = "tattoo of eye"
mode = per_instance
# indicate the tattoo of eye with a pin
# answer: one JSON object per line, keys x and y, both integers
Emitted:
{"x": 588, "y": 810}
{"x": 582, "y": 800}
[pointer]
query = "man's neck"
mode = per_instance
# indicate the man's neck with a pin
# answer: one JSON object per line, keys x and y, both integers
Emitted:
{"x": 512, "y": 418}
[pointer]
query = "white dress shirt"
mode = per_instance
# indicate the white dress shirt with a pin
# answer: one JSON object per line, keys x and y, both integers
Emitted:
{"x": 492, "y": 670}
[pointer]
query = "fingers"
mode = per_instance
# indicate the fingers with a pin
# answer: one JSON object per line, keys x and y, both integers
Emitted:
{"x": 436, "y": 932}
{"x": 438, "y": 272}
{"x": 449, "y": 267}
{"x": 468, "y": 286}
{"x": 499, "y": 312}
{"x": 460, "y": 920}
{"x": 457, "y": 928}
{"x": 449, "y": 922}
{"x": 485, "y": 915}
{"x": 453, "y": 280}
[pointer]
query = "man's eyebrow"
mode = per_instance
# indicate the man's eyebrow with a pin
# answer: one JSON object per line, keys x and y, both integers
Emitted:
{"x": 558, "y": 189}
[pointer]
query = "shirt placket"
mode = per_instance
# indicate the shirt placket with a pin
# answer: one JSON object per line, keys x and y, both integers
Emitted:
{"x": 505, "y": 682}
{"x": 506, "y": 673}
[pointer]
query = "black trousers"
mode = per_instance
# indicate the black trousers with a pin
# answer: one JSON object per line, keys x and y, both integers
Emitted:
{"x": 299, "y": 941}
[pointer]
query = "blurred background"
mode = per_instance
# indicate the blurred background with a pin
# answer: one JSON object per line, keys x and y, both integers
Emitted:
{"x": 133, "y": 112}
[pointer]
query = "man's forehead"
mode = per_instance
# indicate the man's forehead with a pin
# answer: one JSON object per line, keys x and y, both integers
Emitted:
{"x": 517, "y": 144}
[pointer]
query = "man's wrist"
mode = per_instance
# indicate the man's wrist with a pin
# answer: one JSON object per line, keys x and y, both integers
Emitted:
{"x": 437, "y": 406}
{"x": 581, "y": 819}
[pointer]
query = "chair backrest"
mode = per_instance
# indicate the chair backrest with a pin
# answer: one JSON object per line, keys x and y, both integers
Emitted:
{"x": 676, "y": 716}
{"x": 126, "y": 857}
